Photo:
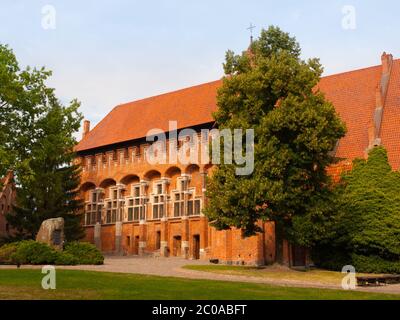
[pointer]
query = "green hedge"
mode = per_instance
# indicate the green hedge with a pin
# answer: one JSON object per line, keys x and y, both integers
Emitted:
{"x": 32, "y": 252}
{"x": 375, "y": 264}
{"x": 85, "y": 252}
{"x": 337, "y": 259}
{"x": 6, "y": 251}
{"x": 66, "y": 259}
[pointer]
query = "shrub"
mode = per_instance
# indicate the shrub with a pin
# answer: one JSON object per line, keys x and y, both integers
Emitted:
{"x": 6, "y": 251}
{"x": 374, "y": 264}
{"x": 32, "y": 252}
{"x": 363, "y": 229}
{"x": 85, "y": 252}
{"x": 66, "y": 259}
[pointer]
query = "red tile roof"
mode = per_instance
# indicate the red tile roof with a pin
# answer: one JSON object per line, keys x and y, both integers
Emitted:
{"x": 352, "y": 93}
{"x": 189, "y": 107}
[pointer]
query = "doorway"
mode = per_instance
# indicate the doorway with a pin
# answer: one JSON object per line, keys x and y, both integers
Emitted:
{"x": 177, "y": 246}
{"x": 196, "y": 246}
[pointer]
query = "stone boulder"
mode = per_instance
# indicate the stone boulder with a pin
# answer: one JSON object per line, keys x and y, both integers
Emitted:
{"x": 52, "y": 232}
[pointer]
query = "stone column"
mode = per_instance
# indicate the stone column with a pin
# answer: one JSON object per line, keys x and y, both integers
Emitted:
{"x": 142, "y": 237}
{"x": 164, "y": 237}
{"x": 185, "y": 237}
{"x": 97, "y": 235}
{"x": 118, "y": 237}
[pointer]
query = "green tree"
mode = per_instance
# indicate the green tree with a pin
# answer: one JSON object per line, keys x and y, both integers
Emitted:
{"x": 365, "y": 220}
{"x": 38, "y": 146}
{"x": 268, "y": 88}
{"x": 23, "y": 97}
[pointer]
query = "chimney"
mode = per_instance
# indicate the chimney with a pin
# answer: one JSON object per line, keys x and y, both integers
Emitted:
{"x": 387, "y": 60}
{"x": 86, "y": 128}
{"x": 378, "y": 97}
{"x": 374, "y": 128}
{"x": 371, "y": 135}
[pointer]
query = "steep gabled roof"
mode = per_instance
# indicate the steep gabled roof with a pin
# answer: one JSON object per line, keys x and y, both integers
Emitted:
{"x": 189, "y": 107}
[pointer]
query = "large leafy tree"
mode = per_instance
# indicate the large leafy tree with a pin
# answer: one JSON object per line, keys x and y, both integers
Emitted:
{"x": 270, "y": 89}
{"x": 37, "y": 144}
{"x": 364, "y": 221}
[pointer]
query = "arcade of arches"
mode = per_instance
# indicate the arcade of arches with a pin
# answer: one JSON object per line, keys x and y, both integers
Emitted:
{"x": 158, "y": 211}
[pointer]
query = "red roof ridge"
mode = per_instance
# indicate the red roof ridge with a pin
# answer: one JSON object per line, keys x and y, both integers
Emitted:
{"x": 356, "y": 70}
{"x": 168, "y": 93}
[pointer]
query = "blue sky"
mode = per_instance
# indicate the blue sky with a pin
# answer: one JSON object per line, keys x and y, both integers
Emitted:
{"x": 109, "y": 52}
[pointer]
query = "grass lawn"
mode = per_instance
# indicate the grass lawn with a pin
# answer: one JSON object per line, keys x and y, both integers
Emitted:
{"x": 73, "y": 284}
{"x": 276, "y": 273}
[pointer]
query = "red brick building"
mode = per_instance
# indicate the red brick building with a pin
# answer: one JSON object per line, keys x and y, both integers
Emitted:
{"x": 133, "y": 207}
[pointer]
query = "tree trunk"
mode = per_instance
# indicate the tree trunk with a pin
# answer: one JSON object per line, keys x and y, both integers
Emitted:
{"x": 278, "y": 242}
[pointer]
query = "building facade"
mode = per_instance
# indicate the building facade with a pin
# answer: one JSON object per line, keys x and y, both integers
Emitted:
{"x": 134, "y": 207}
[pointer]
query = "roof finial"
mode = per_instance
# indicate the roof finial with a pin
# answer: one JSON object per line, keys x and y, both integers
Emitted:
{"x": 251, "y": 32}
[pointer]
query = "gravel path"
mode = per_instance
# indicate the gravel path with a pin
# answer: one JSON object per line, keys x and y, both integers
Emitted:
{"x": 172, "y": 267}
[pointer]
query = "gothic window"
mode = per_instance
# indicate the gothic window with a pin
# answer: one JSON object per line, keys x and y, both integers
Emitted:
{"x": 179, "y": 204}
{"x": 185, "y": 195}
{"x": 136, "y": 204}
{"x": 158, "y": 202}
{"x": 194, "y": 207}
{"x": 179, "y": 196}
{"x": 114, "y": 204}
{"x": 94, "y": 207}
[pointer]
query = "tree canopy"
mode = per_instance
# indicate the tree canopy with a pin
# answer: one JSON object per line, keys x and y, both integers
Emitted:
{"x": 270, "y": 89}
{"x": 37, "y": 135}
